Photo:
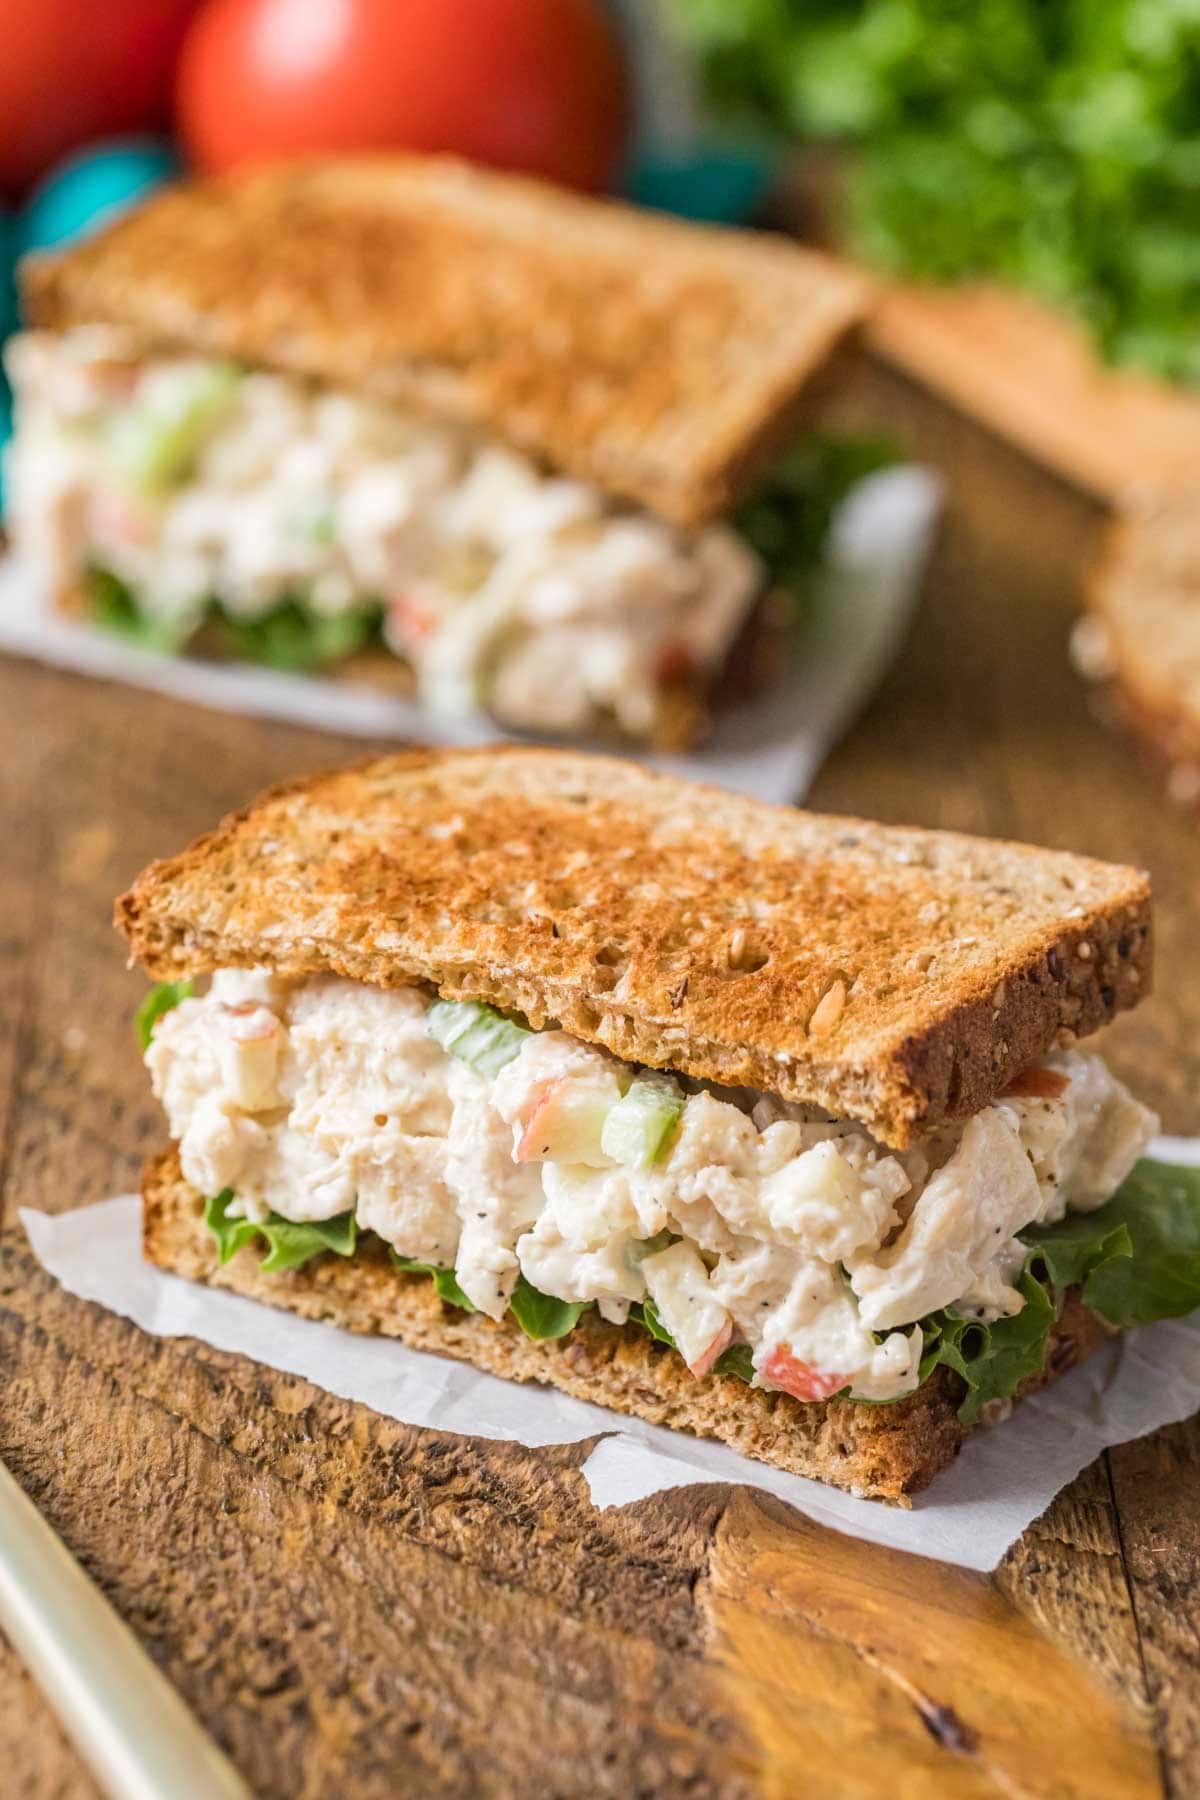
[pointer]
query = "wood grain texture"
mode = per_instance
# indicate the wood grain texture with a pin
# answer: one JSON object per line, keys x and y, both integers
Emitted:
{"x": 1032, "y": 376}
{"x": 357, "y": 1608}
{"x": 904, "y": 1673}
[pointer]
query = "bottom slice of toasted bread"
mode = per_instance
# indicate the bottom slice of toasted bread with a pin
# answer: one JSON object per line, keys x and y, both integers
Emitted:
{"x": 885, "y": 1452}
{"x": 683, "y": 716}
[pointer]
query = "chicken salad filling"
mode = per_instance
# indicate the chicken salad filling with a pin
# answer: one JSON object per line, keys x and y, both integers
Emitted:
{"x": 529, "y": 1170}
{"x": 283, "y": 520}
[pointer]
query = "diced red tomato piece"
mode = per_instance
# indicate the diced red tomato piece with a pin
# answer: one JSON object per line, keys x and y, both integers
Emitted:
{"x": 537, "y": 1118}
{"x": 673, "y": 664}
{"x": 798, "y": 1378}
{"x": 703, "y": 1364}
{"x": 251, "y": 1023}
{"x": 1038, "y": 1084}
{"x": 409, "y": 620}
{"x": 116, "y": 519}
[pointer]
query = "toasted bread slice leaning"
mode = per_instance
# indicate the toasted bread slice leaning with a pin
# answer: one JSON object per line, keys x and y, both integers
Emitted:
{"x": 1140, "y": 637}
{"x": 884, "y": 1452}
{"x": 896, "y": 976}
{"x": 664, "y": 362}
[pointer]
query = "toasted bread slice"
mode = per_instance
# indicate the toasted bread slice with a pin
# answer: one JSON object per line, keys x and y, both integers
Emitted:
{"x": 660, "y": 360}
{"x": 1140, "y": 636}
{"x": 885, "y": 1452}
{"x": 896, "y": 976}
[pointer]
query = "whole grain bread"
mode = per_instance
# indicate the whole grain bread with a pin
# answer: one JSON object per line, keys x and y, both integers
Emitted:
{"x": 1139, "y": 639}
{"x": 886, "y": 1452}
{"x": 663, "y": 361}
{"x": 897, "y": 976}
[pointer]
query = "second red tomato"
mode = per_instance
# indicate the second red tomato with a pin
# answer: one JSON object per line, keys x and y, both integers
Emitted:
{"x": 536, "y": 85}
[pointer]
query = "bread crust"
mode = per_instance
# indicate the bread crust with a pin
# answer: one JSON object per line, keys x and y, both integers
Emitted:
{"x": 882, "y": 1452}
{"x": 896, "y": 976}
{"x": 663, "y": 361}
{"x": 1142, "y": 597}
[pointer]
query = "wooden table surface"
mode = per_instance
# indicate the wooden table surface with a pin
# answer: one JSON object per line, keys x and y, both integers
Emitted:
{"x": 356, "y": 1608}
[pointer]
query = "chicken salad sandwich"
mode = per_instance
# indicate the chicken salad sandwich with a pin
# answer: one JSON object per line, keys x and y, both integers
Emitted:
{"x": 547, "y": 453}
{"x": 768, "y": 1126}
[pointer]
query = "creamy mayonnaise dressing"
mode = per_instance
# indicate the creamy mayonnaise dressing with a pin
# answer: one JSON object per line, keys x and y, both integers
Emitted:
{"x": 758, "y": 1222}
{"x": 502, "y": 585}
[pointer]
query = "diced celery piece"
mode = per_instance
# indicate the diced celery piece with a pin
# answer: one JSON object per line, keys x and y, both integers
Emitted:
{"x": 477, "y": 1034}
{"x": 641, "y": 1248}
{"x": 638, "y": 1125}
{"x": 156, "y": 444}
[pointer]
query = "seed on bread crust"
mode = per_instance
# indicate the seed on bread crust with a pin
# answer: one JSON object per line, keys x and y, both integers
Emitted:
{"x": 828, "y": 1009}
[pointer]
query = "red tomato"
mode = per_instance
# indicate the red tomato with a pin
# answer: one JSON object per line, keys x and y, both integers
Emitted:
{"x": 800, "y": 1378}
{"x": 536, "y": 85}
{"x": 674, "y": 664}
{"x": 705, "y": 1362}
{"x": 1038, "y": 1084}
{"x": 71, "y": 71}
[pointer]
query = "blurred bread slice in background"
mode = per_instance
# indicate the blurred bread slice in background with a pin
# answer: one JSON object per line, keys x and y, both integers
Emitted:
{"x": 1138, "y": 640}
{"x": 1031, "y": 376}
{"x": 665, "y": 362}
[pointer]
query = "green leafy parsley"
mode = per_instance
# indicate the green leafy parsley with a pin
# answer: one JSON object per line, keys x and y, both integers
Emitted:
{"x": 787, "y": 519}
{"x": 1046, "y": 144}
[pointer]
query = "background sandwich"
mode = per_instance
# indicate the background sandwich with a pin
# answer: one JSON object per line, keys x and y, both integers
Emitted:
{"x": 548, "y": 450}
{"x": 762, "y": 1124}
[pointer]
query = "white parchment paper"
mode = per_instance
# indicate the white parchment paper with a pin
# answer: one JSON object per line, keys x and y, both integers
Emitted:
{"x": 1003, "y": 1479}
{"x": 770, "y": 747}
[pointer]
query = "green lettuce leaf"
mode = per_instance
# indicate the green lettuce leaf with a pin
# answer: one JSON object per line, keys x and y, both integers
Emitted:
{"x": 293, "y": 637}
{"x": 787, "y": 519}
{"x": 645, "y": 1313}
{"x": 161, "y": 999}
{"x": 1138, "y": 1256}
{"x": 231, "y": 1234}
{"x": 995, "y": 1358}
{"x": 444, "y": 1280}
{"x": 737, "y": 1361}
{"x": 1137, "y": 1259}
{"x": 111, "y": 605}
{"x": 290, "y": 636}
{"x": 289, "y": 1245}
{"x": 541, "y": 1315}
{"x": 292, "y": 1244}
